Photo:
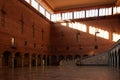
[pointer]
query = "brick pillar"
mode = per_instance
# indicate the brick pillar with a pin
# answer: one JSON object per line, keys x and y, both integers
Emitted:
{"x": 46, "y": 60}
{"x": 112, "y": 58}
{"x": 30, "y": 61}
{"x": 13, "y": 58}
{"x": 50, "y": 60}
{"x": 117, "y": 61}
{"x": 42, "y": 61}
{"x": 1, "y": 61}
{"x": 23, "y": 60}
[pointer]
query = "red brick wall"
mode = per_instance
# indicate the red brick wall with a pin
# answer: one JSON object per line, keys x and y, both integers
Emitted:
{"x": 86, "y": 40}
{"x": 14, "y": 10}
{"x": 68, "y": 45}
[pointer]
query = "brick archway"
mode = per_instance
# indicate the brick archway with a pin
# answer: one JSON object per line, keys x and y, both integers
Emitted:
{"x": 26, "y": 59}
{"x": 18, "y": 60}
{"x": 7, "y": 59}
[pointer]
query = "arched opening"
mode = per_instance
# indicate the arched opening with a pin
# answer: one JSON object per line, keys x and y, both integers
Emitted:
{"x": 26, "y": 59}
{"x": 33, "y": 60}
{"x": 119, "y": 57}
{"x": 18, "y": 60}
{"x": 112, "y": 58}
{"x": 7, "y": 59}
{"x": 115, "y": 59}
{"x": 69, "y": 57}
{"x": 39, "y": 60}
{"x": 48, "y": 60}
{"x": 54, "y": 60}
{"x": 61, "y": 59}
{"x": 77, "y": 57}
{"x": 44, "y": 60}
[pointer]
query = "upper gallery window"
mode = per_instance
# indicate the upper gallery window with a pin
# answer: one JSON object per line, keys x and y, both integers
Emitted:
{"x": 28, "y": 1}
{"x": 34, "y": 4}
{"x": 92, "y": 13}
{"x": 79, "y": 14}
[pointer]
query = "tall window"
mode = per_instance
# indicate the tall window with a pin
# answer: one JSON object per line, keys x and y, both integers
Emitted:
{"x": 25, "y": 43}
{"x": 116, "y": 10}
{"x": 105, "y": 11}
{"x": 33, "y": 28}
{"x": 48, "y": 15}
{"x": 79, "y": 14}
{"x": 34, "y": 4}
{"x": 56, "y": 17}
{"x": 92, "y": 13}
{"x": 116, "y": 37}
{"x": 13, "y": 42}
{"x": 41, "y": 10}
{"x": 67, "y": 15}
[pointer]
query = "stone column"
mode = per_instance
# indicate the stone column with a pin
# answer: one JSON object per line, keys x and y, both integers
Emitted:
{"x": 22, "y": 60}
{"x": 109, "y": 59}
{"x": 13, "y": 58}
{"x": 1, "y": 56}
{"x": 112, "y": 60}
{"x": 42, "y": 61}
{"x": 117, "y": 61}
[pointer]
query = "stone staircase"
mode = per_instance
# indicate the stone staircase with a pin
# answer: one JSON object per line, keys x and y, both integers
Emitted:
{"x": 96, "y": 60}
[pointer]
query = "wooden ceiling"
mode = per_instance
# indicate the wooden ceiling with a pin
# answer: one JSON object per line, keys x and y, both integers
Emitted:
{"x": 57, "y": 5}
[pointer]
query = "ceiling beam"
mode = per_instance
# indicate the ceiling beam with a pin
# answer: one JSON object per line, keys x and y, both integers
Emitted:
{"x": 83, "y": 8}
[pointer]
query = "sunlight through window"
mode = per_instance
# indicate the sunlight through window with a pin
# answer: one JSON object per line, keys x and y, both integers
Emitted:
{"x": 116, "y": 37}
{"x": 102, "y": 33}
{"x": 71, "y": 25}
{"x": 64, "y": 24}
{"x": 78, "y": 26}
{"x": 82, "y": 27}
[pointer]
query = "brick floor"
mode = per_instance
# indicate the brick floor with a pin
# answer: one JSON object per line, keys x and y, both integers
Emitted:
{"x": 61, "y": 73}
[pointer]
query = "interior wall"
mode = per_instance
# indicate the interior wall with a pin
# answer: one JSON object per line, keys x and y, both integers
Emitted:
{"x": 63, "y": 38}
{"x": 17, "y": 20}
